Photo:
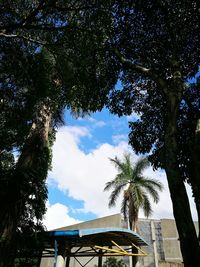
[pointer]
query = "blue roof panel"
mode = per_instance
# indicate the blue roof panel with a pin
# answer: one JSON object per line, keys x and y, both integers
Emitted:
{"x": 100, "y": 236}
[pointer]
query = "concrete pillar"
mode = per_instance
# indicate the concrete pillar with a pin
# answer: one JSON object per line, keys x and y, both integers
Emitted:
{"x": 60, "y": 262}
{"x": 153, "y": 235}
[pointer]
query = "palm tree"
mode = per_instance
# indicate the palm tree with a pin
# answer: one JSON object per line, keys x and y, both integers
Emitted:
{"x": 136, "y": 188}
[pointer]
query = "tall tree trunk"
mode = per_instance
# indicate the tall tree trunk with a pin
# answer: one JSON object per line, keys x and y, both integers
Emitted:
{"x": 34, "y": 156}
{"x": 181, "y": 208}
{"x": 195, "y": 170}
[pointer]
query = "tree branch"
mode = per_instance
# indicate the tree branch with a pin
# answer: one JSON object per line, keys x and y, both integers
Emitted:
{"x": 22, "y": 37}
{"x": 140, "y": 69}
{"x": 44, "y": 27}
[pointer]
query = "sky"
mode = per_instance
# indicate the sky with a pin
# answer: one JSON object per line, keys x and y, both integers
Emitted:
{"x": 81, "y": 168}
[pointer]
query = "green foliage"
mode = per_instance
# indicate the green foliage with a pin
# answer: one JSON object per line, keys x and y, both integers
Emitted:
{"x": 51, "y": 58}
{"x": 30, "y": 245}
{"x": 158, "y": 54}
{"x": 113, "y": 262}
{"x": 23, "y": 262}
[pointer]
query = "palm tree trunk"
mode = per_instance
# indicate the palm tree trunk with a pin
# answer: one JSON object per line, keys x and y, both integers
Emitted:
{"x": 181, "y": 208}
{"x": 133, "y": 221}
{"x": 34, "y": 156}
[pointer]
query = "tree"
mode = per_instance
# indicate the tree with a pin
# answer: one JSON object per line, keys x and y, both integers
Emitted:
{"x": 136, "y": 189}
{"x": 24, "y": 194}
{"x": 157, "y": 47}
{"x": 49, "y": 61}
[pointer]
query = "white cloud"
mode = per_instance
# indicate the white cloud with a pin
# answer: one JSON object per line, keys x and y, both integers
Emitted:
{"x": 119, "y": 137}
{"x": 96, "y": 123}
{"x": 99, "y": 124}
{"x": 57, "y": 216}
{"x": 76, "y": 132}
{"x": 93, "y": 122}
{"x": 84, "y": 175}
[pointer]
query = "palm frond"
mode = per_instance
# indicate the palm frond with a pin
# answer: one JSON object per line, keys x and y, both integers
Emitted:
{"x": 115, "y": 194}
{"x": 153, "y": 193}
{"x": 152, "y": 187}
{"x": 117, "y": 163}
{"x": 124, "y": 165}
{"x": 109, "y": 185}
{"x": 124, "y": 207}
{"x": 128, "y": 163}
{"x": 118, "y": 180}
{"x": 146, "y": 206}
{"x": 154, "y": 183}
{"x": 136, "y": 195}
{"x": 140, "y": 166}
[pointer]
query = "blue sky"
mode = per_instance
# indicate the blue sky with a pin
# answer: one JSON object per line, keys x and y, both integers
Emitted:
{"x": 81, "y": 167}
{"x": 103, "y": 125}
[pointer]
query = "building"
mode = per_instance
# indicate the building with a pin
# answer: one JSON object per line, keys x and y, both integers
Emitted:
{"x": 161, "y": 235}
